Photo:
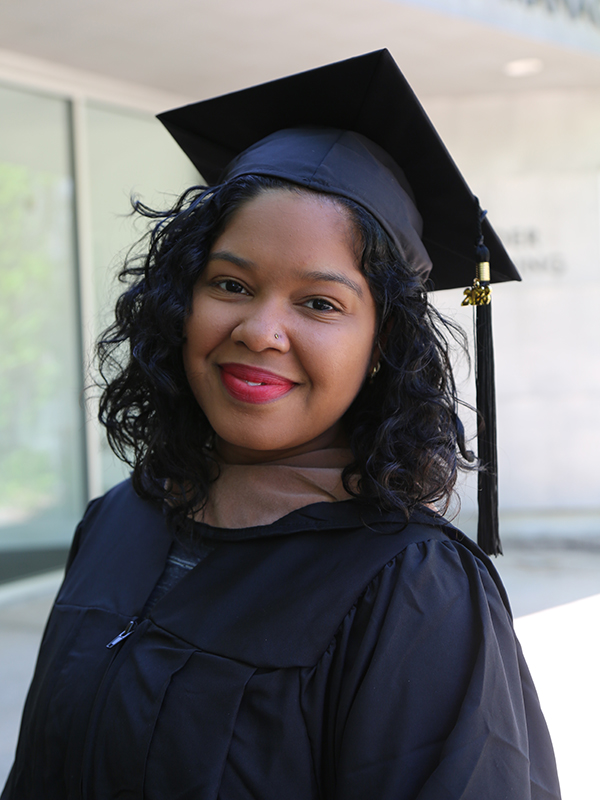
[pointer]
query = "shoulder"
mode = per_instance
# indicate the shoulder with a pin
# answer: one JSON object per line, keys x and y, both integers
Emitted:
{"x": 438, "y": 574}
{"x": 354, "y": 548}
{"x": 120, "y": 492}
{"x": 445, "y": 566}
{"x": 122, "y": 496}
{"x": 424, "y": 616}
{"x": 118, "y": 530}
{"x": 441, "y": 591}
{"x": 120, "y": 504}
{"x": 430, "y": 681}
{"x": 425, "y": 553}
{"x": 379, "y": 575}
{"x": 429, "y": 596}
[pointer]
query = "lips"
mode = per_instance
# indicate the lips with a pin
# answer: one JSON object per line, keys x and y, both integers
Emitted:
{"x": 253, "y": 385}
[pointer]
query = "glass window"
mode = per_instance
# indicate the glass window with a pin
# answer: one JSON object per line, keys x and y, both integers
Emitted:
{"x": 130, "y": 155}
{"x": 42, "y": 472}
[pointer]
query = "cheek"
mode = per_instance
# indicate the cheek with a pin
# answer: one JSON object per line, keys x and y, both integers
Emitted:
{"x": 203, "y": 330}
{"x": 339, "y": 364}
{"x": 201, "y": 339}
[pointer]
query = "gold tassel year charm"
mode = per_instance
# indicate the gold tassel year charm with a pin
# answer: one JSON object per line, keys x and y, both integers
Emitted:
{"x": 480, "y": 294}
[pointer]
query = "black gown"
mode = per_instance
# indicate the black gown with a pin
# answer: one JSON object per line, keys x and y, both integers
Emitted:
{"x": 333, "y": 654}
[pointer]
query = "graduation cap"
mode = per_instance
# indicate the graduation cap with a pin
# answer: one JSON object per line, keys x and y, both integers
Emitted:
{"x": 355, "y": 128}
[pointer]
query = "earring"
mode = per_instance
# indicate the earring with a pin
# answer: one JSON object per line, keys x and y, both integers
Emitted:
{"x": 375, "y": 370}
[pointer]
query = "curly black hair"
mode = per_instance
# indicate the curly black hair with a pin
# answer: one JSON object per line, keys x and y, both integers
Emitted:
{"x": 403, "y": 427}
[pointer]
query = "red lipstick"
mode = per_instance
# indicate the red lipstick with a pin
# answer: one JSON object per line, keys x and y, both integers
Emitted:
{"x": 252, "y": 384}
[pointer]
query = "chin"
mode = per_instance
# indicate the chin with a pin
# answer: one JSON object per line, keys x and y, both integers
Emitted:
{"x": 258, "y": 445}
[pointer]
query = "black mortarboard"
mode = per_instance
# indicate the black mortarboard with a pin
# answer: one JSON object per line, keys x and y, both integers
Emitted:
{"x": 370, "y": 96}
{"x": 355, "y": 128}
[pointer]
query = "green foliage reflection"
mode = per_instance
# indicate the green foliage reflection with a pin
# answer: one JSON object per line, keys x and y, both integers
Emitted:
{"x": 33, "y": 255}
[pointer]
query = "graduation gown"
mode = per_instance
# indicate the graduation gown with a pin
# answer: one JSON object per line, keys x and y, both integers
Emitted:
{"x": 336, "y": 654}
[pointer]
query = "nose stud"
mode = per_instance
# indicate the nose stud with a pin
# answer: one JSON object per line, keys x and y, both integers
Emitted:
{"x": 277, "y": 336}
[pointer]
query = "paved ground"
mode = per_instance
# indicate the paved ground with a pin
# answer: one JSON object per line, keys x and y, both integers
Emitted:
{"x": 24, "y": 607}
{"x": 556, "y": 600}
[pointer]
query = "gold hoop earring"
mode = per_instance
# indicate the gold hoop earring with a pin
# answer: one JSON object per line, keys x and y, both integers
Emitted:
{"x": 375, "y": 370}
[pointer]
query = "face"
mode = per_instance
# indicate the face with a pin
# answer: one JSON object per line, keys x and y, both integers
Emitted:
{"x": 281, "y": 334}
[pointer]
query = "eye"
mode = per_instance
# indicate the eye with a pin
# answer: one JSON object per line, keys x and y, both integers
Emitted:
{"x": 230, "y": 286}
{"x": 320, "y": 304}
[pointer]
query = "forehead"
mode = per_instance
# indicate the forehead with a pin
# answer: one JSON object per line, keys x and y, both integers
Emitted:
{"x": 293, "y": 218}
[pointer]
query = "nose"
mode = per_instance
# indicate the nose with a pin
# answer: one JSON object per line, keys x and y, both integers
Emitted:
{"x": 262, "y": 328}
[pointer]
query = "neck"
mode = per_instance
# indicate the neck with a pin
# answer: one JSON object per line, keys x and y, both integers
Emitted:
{"x": 233, "y": 454}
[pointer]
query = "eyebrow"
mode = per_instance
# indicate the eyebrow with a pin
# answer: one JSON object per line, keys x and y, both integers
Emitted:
{"x": 225, "y": 255}
{"x": 334, "y": 277}
{"x": 316, "y": 275}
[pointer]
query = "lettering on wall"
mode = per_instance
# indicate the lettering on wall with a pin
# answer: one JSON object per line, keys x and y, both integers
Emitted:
{"x": 526, "y": 247}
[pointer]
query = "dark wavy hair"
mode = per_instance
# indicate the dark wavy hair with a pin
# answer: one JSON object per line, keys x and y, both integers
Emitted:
{"x": 403, "y": 427}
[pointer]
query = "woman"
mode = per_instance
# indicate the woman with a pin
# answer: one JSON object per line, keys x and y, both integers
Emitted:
{"x": 272, "y": 607}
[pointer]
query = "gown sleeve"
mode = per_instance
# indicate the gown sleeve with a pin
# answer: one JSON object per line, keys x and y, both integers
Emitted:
{"x": 435, "y": 701}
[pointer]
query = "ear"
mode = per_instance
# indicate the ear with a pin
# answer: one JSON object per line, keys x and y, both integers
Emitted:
{"x": 375, "y": 357}
{"x": 379, "y": 344}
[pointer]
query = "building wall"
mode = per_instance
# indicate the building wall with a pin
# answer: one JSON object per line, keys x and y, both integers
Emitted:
{"x": 534, "y": 161}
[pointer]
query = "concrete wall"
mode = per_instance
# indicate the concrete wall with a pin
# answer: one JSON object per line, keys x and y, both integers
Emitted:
{"x": 534, "y": 161}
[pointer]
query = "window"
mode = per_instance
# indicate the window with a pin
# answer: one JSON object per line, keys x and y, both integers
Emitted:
{"x": 43, "y": 464}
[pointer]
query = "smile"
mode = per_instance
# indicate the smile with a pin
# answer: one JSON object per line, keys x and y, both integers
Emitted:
{"x": 253, "y": 385}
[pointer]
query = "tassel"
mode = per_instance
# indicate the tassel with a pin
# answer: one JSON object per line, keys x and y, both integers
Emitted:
{"x": 479, "y": 295}
{"x": 488, "y": 535}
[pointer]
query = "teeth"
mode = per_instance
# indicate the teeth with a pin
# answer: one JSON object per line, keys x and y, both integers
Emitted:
{"x": 250, "y": 383}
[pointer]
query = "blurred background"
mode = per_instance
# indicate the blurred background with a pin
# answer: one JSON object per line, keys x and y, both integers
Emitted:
{"x": 513, "y": 87}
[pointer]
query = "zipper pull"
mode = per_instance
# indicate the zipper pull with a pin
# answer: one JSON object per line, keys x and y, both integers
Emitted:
{"x": 131, "y": 626}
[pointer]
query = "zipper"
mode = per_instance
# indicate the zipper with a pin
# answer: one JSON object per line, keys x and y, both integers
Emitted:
{"x": 131, "y": 626}
{"x": 97, "y": 706}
